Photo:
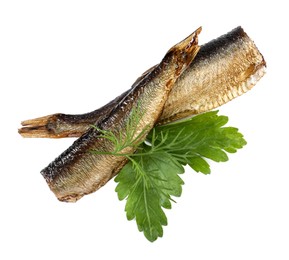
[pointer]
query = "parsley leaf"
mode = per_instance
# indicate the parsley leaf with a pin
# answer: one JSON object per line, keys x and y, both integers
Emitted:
{"x": 151, "y": 177}
{"x": 148, "y": 182}
{"x": 199, "y": 137}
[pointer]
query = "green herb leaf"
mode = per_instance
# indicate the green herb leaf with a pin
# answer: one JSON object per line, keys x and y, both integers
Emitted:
{"x": 151, "y": 177}
{"x": 148, "y": 182}
{"x": 202, "y": 136}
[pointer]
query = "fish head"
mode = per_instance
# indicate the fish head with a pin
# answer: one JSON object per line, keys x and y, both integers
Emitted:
{"x": 182, "y": 54}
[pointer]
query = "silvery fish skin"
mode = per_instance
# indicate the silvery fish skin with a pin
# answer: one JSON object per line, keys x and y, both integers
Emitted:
{"x": 77, "y": 171}
{"x": 223, "y": 69}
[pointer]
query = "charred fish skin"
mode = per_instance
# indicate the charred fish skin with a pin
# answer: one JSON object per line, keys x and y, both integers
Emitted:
{"x": 77, "y": 172}
{"x": 224, "y": 68}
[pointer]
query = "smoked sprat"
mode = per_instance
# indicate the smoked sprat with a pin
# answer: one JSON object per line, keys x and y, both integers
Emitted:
{"x": 189, "y": 80}
{"x": 223, "y": 69}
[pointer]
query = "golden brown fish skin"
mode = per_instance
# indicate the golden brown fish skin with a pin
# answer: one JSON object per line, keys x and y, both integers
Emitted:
{"x": 77, "y": 171}
{"x": 62, "y": 125}
{"x": 223, "y": 69}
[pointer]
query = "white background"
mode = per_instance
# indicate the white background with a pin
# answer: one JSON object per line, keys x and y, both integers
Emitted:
{"x": 74, "y": 56}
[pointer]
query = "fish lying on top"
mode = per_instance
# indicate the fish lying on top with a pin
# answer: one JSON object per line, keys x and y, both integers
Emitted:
{"x": 223, "y": 69}
{"x": 77, "y": 172}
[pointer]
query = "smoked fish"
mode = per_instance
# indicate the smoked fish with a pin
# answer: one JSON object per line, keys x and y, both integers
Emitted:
{"x": 77, "y": 171}
{"x": 223, "y": 69}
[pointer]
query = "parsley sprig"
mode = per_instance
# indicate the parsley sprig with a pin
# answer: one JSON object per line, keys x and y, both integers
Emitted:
{"x": 151, "y": 178}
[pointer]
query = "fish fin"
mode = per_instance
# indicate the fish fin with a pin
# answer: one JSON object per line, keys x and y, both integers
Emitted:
{"x": 43, "y": 127}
